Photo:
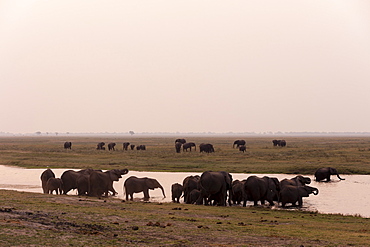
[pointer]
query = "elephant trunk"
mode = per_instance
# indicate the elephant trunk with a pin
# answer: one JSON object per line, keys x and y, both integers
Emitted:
{"x": 340, "y": 177}
{"x": 164, "y": 196}
{"x": 315, "y": 192}
{"x": 124, "y": 171}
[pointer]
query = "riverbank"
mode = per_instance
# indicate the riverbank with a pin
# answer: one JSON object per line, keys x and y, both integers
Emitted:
{"x": 43, "y": 220}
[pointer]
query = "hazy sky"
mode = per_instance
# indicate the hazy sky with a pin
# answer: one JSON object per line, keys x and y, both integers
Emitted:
{"x": 187, "y": 66}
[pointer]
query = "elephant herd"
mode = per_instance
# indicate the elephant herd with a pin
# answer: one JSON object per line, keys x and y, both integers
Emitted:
{"x": 208, "y": 148}
{"x": 180, "y": 145}
{"x": 279, "y": 143}
{"x": 211, "y": 188}
{"x": 111, "y": 146}
{"x": 87, "y": 181}
{"x": 204, "y": 147}
{"x": 90, "y": 182}
{"x": 218, "y": 188}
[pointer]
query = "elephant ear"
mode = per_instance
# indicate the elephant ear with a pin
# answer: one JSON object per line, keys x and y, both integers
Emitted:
{"x": 151, "y": 183}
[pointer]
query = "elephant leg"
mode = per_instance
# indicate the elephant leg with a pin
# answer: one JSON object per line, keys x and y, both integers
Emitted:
{"x": 300, "y": 202}
{"x": 146, "y": 195}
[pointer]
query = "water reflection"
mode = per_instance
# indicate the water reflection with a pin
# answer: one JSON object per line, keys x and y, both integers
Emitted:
{"x": 350, "y": 196}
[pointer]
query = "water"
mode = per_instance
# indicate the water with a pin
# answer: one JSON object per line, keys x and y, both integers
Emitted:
{"x": 348, "y": 197}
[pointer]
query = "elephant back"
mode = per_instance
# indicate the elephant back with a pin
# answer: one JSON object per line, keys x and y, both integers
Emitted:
{"x": 98, "y": 183}
{"x": 255, "y": 188}
{"x": 45, "y": 175}
{"x": 215, "y": 183}
{"x": 190, "y": 183}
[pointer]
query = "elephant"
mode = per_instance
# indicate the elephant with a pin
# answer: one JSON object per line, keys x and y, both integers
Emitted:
{"x": 325, "y": 172}
{"x": 111, "y": 146}
{"x": 125, "y": 145}
{"x": 296, "y": 181}
{"x": 260, "y": 189}
{"x": 83, "y": 184}
{"x": 237, "y": 191}
{"x": 293, "y": 194}
{"x": 45, "y": 175}
{"x": 193, "y": 196}
{"x": 189, "y": 145}
{"x": 132, "y": 146}
{"x": 206, "y": 147}
{"x": 242, "y": 148}
{"x": 100, "y": 146}
{"x": 176, "y": 192}
{"x": 189, "y": 184}
{"x": 102, "y": 182}
{"x": 281, "y": 143}
{"x": 215, "y": 185}
{"x": 136, "y": 185}
{"x": 180, "y": 140}
{"x": 54, "y": 184}
{"x": 70, "y": 177}
{"x": 68, "y": 145}
{"x": 178, "y": 147}
{"x": 141, "y": 147}
{"x": 239, "y": 143}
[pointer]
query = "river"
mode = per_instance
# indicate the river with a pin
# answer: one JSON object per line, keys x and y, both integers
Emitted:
{"x": 348, "y": 197}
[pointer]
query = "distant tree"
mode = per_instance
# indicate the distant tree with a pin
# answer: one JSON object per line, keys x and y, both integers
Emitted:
{"x": 131, "y": 132}
{"x": 38, "y": 133}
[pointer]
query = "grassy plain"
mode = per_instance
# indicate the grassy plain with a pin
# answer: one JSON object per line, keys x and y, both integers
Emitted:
{"x": 29, "y": 219}
{"x": 350, "y": 155}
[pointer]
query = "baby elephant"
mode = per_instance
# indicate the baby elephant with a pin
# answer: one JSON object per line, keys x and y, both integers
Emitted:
{"x": 193, "y": 196}
{"x": 176, "y": 190}
{"x": 54, "y": 184}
